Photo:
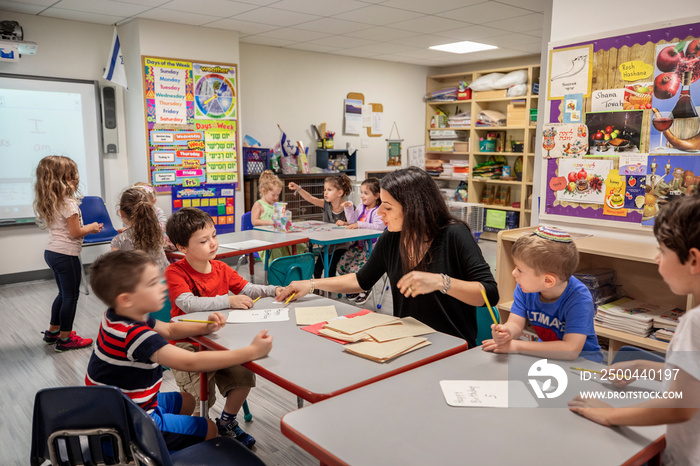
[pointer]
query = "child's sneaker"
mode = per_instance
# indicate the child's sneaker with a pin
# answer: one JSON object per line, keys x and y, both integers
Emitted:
{"x": 233, "y": 430}
{"x": 74, "y": 341}
{"x": 50, "y": 337}
{"x": 363, "y": 297}
{"x": 352, "y": 296}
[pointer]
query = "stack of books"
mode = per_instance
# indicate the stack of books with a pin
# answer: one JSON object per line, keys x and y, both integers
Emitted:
{"x": 629, "y": 315}
{"x": 665, "y": 324}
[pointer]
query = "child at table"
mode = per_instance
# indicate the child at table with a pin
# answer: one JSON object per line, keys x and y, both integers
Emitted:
{"x": 199, "y": 283}
{"x": 142, "y": 229}
{"x": 160, "y": 215}
{"x": 261, "y": 213}
{"x": 677, "y": 229}
{"x": 336, "y": 189}
{"x": 56, "y": 208}
{"x": 559, "y": 307}
{"x": 133, "y": 347}
{"x": 365, "y": 216}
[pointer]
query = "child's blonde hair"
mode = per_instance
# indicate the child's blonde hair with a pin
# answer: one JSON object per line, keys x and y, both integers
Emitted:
{"x": 341, "y": 182}
{"x": 139, "y": 212}
{"x": 148, "y": 189}
{"x": 268, "y": 182}
{"x": 547, "y": 250}
{"x": 56, "y": 178}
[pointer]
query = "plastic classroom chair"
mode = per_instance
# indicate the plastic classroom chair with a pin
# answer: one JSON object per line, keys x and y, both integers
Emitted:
{"x": 483, "y": 323}
{"x": 80, "y": 425}
{"x": 247, "y": 224}
{"x": 148, "y": 446}
{"x": 284, "y": 270}
{"x": 93, "y": 209}
{"x": 630, "y": 353}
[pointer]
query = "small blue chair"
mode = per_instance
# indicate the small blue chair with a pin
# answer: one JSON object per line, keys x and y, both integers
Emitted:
{"x": 483, "y": 323}
{"x": 93, "y": 209}
{"x": 285, "y": 270}
{"x": 630, "y": 353}
{"x": 247, "y": 224}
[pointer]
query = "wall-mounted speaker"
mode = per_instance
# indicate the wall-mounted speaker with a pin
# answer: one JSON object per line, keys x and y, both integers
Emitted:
{"x": 110, "y": 135}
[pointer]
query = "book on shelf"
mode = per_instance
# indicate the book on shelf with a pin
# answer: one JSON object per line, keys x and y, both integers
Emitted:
{"x": 662, "y": 334}
{"x": 629, "y": 315}
{"x": 668, "y": 320}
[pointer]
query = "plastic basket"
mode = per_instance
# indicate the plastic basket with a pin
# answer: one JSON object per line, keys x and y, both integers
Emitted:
{"x": 255, "y": 160}
{"x": 472, "y": 214}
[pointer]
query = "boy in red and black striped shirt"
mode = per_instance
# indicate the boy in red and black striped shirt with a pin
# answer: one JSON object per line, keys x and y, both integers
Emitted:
{"x": 132, "y": 346}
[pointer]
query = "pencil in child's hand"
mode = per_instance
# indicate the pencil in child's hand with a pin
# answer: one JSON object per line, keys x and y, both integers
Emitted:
{"x": 290, "y": 298}
{"x": 486, "y": 301}
{"x": 256, "y": 299}
{"x": 199, "y": 321}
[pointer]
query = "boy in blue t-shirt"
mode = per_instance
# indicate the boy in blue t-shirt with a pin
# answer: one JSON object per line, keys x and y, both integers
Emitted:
{"x": 559, "y": 307}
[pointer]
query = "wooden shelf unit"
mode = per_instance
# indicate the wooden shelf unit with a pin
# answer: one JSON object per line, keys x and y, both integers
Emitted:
{"x": 635, "y": 267}
{"x": 520, "y": 190}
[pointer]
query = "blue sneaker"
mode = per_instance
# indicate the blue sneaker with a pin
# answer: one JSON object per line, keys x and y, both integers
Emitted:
{"x": 233, "y": 430}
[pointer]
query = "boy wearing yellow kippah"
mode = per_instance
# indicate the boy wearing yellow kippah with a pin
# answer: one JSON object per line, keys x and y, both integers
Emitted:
{"x": 559, "y": 307}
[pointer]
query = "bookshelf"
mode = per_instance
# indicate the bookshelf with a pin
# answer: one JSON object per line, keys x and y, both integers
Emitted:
{"x": 523, "y": 131}
{"x": 635, "y": 267}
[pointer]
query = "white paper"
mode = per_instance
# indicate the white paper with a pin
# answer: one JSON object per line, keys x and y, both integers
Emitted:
{"x": 377, "y": 123}
{"x": 353, "y": 123}
{"x": 258, "y": 315}
{"x": 367, "y": 116}
{"x": 487, "y": 393}
{"x": 570, "y": 71}
{"x": 607, "y": 100}
{"x": 250, "y": 244}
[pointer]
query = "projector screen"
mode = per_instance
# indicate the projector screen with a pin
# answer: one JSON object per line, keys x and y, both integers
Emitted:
{"x": 42, "y": 116}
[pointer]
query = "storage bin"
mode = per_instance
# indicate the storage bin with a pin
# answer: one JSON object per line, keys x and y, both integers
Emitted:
{"x": 596, "y": 278}
{"x": 255, "y": 160}
{"x": 487, "y": 145}
{"x": 512, "y": 221}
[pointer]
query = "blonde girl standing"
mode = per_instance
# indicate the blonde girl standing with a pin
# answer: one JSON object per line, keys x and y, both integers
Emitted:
{"x": 336, "y": 189}
{"x": 142, "y": 229}
{"x": 57, "y": 208}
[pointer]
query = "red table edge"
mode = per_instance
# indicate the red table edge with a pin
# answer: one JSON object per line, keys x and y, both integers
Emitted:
{"x": 310, "y": 446}
{"x": 649, "y": 453}
{"x": 242, "y": 252}
{"x": 313, "y": 397}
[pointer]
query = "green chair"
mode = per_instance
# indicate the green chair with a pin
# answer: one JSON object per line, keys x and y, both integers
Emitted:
{"x": 284, "y": 270}
{"x": 483, "y": 323}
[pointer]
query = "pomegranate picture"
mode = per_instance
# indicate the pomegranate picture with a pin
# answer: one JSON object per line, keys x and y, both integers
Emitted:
{"x": 693, "y": 49}
{"x": 666, "y": 85}
{"x": 668, "y": 59}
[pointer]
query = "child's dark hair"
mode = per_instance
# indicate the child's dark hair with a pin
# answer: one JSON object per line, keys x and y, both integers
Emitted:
{"x": 186, "y": 222}
{"x": 138, "y": 210}
{"x": 118, "y": 272}
{"x": 374, "y": 186}
{"x": 341, "y": 182}
{"x": 677, "y": 225}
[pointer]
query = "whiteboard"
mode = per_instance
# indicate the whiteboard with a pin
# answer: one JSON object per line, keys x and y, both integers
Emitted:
{"x": 43, "y": 116}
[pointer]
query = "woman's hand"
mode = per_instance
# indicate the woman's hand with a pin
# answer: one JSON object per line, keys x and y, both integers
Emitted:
{"x": 301, "y": 288}
{"x": 416, "y": 283}
{"x": 352, "y": 226}
{"x": 220, "y": 322}
{"x": 293, "y": 186}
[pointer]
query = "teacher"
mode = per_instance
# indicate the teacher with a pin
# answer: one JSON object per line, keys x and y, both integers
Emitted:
{"x": 434, "y": 265}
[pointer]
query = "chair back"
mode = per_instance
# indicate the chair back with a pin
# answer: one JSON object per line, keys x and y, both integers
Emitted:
{"x": 246, "y": 222}
{"x": 94, "y": 210}
{"x": 483, "y": 323}
{"x": 80, "y": 425}
{"x": 630, "y": 353}
{"x": 284, "y": 270}
{"x": 148, "y": 445}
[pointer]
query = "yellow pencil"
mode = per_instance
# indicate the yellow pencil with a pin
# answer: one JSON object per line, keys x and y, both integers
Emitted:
{"x": 585, "y": 370}
{"x": 486, "y": 300}
{"x": 290, "y": 298}
{"x": 199, "y": 321}
{"x": 256, "y": 299}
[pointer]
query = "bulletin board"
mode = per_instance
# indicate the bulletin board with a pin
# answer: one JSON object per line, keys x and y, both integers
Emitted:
{"x": 191, "y": 111}
{"x": 617, "y": 145}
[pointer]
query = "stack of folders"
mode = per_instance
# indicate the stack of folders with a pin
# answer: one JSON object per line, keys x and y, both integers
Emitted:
{"x": 629, "y": 315}
{"x": 378, "y": 337}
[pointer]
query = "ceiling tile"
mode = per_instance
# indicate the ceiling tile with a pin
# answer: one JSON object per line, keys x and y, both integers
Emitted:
{"x": 258, "y": 2}
{"x": 275, "y": 17}
{"x": 311, "y": 47}
{"x": 334, "y": 26}
{"x": 244, "y": 27}
{"x": 429, "y": 7}
{"x": 264, "y": 41}
{"x": 343, "y": 42}
{"x": 508, "y": 40}
{"x": 103, "y": 7}
{"x": 535, "y": 48}
{"x": 294, "y": 35}
{"x": 485, "y": 13}
{"x": 378, "y": 15}
{"x": 381, "y": 34}
{"x": 80, "y": 16}
{"x": 428, "y": 24}
{"x": 181, "y": 17}
{"x": 320, "y": 7}
{"x": 425, "y": 41}
{"x": 539, "y": 6}
{"x": 18, "y": 7}
{"x": 149, "y": 3}
{"x": 220, "y": 8}
{"x": 356, "y": 53}
{"x": 533, "y": 21}
{"x": 387, "y": 47}
{"x": 473, "y": 33}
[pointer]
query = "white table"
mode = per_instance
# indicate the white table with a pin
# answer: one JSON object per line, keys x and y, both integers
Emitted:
{"x": 405, "y": 420}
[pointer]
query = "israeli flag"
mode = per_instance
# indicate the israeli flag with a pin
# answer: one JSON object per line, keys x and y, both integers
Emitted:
{"x": 115, "y": 70}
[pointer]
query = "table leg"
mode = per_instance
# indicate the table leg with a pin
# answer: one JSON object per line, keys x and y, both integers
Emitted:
{"x": 251, "y": 264}
{"x": 326, "y": 262}
{"x": 294, "y": 249}
{"x": 203, "y": 392}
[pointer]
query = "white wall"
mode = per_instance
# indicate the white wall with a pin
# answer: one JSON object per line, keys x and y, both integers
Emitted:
{"x": 670, "y": 13}
{"x": 296, "y": 89}
{"x": 67, "y": 49}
